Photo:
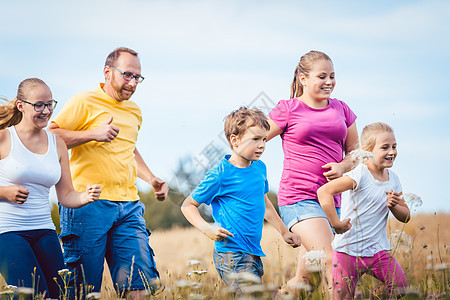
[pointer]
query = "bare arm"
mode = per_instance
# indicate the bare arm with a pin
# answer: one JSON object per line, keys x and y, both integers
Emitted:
{"x": 104, "y": 133}
{"x": 190, "y": 211}
{"x": 67, "y": 196}
{"x": 274, "y": 219}
{"x": 274, "y": 130}
{"x": 325, "y": 195}
{"x": 398, "y": 207}
{"x": 159, "y": 186}
{"x": 336, "y": 170}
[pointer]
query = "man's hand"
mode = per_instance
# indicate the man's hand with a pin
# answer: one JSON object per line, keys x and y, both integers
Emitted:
{"x": 106, "y": 132}
{"x": 15, "y": 193}
{"x": 292, "y": 239}
{"x": 160, "y": 188}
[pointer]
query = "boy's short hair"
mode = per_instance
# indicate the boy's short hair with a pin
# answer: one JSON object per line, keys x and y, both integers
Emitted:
{"x": 240, "y": 120}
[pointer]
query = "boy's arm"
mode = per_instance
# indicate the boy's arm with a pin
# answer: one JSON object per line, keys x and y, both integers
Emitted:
{"x": 190, "y": 211}
{"x": 397, "y": 206}
{"x": 325, "y": 195}
{"x": 274, "y": 219}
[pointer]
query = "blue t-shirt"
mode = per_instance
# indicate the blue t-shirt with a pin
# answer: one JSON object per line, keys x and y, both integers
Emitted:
{"x": 237, "y": 199}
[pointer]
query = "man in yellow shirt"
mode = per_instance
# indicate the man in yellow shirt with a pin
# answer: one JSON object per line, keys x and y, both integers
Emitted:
{"x": 101, "y": 128}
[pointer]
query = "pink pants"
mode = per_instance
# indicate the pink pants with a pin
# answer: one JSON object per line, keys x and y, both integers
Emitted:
{"x": 348, "y": 269}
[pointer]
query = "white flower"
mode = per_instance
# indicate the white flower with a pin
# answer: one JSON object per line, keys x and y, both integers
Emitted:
{"x": 63, "y": 272}
{"x": 94, "y": 296}
{"x": 183, "y": 283}
{"x": 23, "y": 291}
{"x": 401, "y": 241}
{"x": 193, "y": 262}
{"x": 360, "y": 156}
{"x": 245, "y": 277}
{"x": 412, "y": 200}
{"x": 314, "y": 258}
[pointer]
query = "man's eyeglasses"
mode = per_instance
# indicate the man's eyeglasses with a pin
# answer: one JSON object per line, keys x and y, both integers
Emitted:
{"x": 128, "y": 76}
{"x": 40, "y": 106}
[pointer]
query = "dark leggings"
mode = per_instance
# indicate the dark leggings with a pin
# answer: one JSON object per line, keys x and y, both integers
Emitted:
{"x": 23, "y": 251}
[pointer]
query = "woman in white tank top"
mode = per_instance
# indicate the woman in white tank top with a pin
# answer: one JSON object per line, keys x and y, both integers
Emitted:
{"x": 32, "y": 160}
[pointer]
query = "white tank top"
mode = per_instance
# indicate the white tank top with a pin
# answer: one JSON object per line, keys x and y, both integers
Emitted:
{"x": 38, "y": 173}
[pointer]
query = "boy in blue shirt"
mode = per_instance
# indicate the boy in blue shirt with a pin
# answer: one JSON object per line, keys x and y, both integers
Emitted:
{"x": 236, "y": 188}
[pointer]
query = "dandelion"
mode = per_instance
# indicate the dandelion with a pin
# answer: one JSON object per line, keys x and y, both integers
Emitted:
{"x": 315, "y": 257}
{"x": 360, "y": 156}
{"x": 401, "y": 240}
{"x": 412, "y": 200}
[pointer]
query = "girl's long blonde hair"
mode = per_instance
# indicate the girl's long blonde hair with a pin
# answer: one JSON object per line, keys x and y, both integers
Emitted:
{"x": 9, "y": 113}
{"x": 370, "y": 132}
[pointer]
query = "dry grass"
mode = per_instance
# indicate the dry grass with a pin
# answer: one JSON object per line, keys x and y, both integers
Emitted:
{"x": 173, "y": 248}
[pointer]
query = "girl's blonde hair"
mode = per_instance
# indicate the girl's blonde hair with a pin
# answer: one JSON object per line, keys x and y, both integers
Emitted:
{"x": 370, "y": 132}
{"x": 9, "y": 114}
{"x": 304, "y": 67}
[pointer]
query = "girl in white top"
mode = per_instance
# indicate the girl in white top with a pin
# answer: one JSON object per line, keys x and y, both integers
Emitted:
{"x": 371, "y": 191}
{"x": 32, "y": 160}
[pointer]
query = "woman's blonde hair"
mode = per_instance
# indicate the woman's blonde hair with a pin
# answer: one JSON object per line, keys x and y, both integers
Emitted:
{"x": 9, "y": 114}
{"x": 304, "y": 67}
{"x": 370, "y": 132}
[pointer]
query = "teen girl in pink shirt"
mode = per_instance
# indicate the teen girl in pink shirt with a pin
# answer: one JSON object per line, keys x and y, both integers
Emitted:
{"x": 316, "y": 131}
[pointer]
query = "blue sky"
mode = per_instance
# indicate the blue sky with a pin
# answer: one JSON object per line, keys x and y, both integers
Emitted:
{"x": 203, "y": 59}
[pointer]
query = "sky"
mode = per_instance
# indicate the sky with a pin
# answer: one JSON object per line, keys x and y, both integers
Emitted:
{"x": 203, "y": 59}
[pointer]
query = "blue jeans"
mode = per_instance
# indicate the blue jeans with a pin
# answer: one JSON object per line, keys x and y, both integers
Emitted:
{"x": 227, "y": 263}
{"x": 115, "y": 230}
{"x": 22, "y": 251}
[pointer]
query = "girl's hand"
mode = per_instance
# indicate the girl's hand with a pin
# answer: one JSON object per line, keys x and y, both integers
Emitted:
{"x": 292, "y": 239}
{"x": 336, "y": 170}
{"x": 216, "y": 233}
{"x": 15, "y": 193}
{"x": 93, "y": 192}
{"x": 393, "y": 198}
{"x": 343, "y": 226}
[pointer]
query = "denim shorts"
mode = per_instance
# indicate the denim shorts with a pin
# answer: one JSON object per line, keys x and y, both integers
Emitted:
{"x": 302, "y": 210}
{"x": 227, "y": 263}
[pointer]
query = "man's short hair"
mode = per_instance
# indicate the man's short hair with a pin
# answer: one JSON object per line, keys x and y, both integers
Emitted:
{"x": 114, "y": 56}
{"x": 240, "y": 120}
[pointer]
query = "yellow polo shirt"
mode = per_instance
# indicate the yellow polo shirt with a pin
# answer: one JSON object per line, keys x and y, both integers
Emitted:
{"x": 112, "y": 165}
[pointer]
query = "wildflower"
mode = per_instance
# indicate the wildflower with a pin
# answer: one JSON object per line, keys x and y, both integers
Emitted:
{"x": 360, "y": 156}
{"x": 23, "y": 291}
{"x": 94, "y": 296}
{"x": 441, "y": 267}
{"x": 64, "y": 272}
{"x": 9, "y": 287}
{"x": 314, "y": 258}
{"x": 412, "y": 200}
{"x": 193, "y": 262}
{"x": 245, "y": 277}
{"x": 183, "y": 283}
{"x": 301, "y": 286}
{"x": 401, "y": 241}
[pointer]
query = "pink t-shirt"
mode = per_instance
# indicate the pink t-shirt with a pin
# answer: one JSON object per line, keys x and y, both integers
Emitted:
{"x": 311, "y": 138}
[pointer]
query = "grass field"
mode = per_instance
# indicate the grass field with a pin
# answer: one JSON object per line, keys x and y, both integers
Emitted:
{"x": 426, "y": 264}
